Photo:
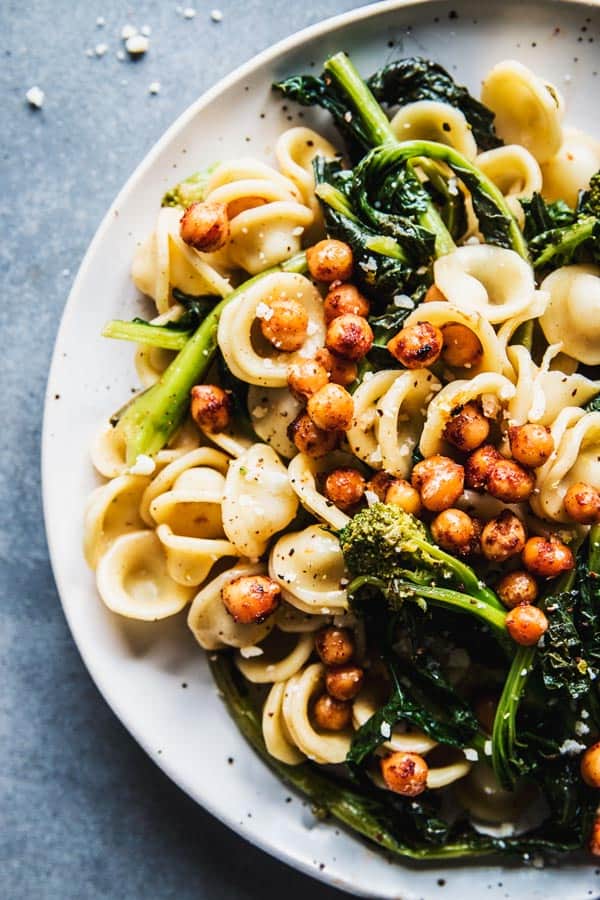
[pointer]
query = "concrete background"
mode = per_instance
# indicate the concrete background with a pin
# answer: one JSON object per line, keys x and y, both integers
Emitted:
{"x": 83, "y": 812}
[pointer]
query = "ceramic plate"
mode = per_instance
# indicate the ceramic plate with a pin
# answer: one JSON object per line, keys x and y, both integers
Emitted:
{"x": 141, "y": 668}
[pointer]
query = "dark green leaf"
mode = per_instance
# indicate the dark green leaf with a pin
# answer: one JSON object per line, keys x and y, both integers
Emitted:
{"x": 562, "y": 656}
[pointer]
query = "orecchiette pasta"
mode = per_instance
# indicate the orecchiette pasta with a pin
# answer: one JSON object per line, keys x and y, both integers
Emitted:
{"x": 150, "y": 362}
{"x": 282, "y": 656}
{"x": 112, "y": 510}
{"x": 431, "y": 120}
{"x": 248, "y": 356}
{"x": 515, "y": 172}
{"x": 201, "y": 457}
{"x": 271, "y": 411}
{"x": 108, "y": 450}
{"x": 295, "y": 150}
{"x": 572, "y": 316}
{"x": 303, "y": 472}
{"x": 278, "y": 740}
{"x": 309, "y": 566}
{"x": 570, "y": 169}
{"x": 296, "y": 704}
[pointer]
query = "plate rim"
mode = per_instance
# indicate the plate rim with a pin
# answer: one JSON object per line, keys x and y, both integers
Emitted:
{"x": 286, "y": 44}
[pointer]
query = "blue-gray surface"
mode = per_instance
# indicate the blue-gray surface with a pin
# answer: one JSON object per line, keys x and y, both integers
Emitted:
{"x": 84, "y": 813}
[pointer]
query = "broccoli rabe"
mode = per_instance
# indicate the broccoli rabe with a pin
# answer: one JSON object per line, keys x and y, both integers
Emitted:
{"x": 190, "y": 190}
{"x": 577, "y": 241}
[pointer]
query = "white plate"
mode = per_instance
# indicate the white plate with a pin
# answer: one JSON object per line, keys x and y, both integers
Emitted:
{"x": 141, "y": 668}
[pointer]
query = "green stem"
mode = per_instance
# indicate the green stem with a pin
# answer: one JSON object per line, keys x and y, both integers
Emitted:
{"x": 445, "y": 597}
{"x": 464, "y": 574}
{"x": 344, "y": 75}
{"x": 144, "y": 333}
{"x": 573, "y": 236}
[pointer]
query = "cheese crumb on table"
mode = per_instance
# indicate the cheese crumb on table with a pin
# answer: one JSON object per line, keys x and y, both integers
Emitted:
{"x": 137, "y": 44}
{"x": 154, "y": 87}
{"x": 216, "y": 15}
{"x": 35, "y": 97}
{"x": 189, "y": 12}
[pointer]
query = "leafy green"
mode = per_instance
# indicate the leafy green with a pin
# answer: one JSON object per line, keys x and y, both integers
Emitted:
{"x": 541, "y": 216}
{"x": 190, "y": 190}
{"x": 416, "y": 78}
{"x": 563, "y": 241}
{"x": 561, "y": 656}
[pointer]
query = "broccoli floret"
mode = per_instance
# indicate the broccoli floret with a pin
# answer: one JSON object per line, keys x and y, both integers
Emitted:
{"x": 591, "y": 198}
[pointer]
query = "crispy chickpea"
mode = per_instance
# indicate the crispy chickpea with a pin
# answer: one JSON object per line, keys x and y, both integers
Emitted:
{"x": 405, "y": 773}
{"x": 479, "y": 466}
{"x": 330, "y": 260}
{"x": 468, "y": 428}
{"x": 344, "y": 682}
{"x": 417, "y": 345}
{"x": 379, "y": 484}
{"x": 349, "y": 336}
{"x": 251, "y": 599}
{"x": 342, "y": 299}
{"x": 485, "y": 711}
{"x": 582, "y": 503}
{"x": 594, "y": 841}
{"x": 205, "y": 226}
{"x": 439, "y": 480}
{"x": 306, "y": 378}
{"x": 401, "y": 493}
{"x": 341, "y": 371}
{"x": 331, "y": 714}
{"x": 509, "y": 482}
{"x": 462, "y": 347}
{"x": 345, "y": 487}
{"x": 335, "y": 646}
{"x": 590, "y": 766}
{"x": 547, "y": 557}
{"x": 211, "y": 407}
{"x": 433, "y": 294}
{"x": 454, "y": 530}
{"x": 503, "y": 537}
{"x": 284, "y": 323}
{"x": 309, "y": 439}
{"x": 516, "y": 588}
{"x": 331, "y": 408}
{"x": 526, "y": 624}
{"x": 531, "y": 445}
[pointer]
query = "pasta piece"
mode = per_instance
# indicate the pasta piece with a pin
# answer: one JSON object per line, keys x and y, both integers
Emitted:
{"x": 515, "y": 172}
{"x": 258, "y": 500}
{"x": 233, "y": 440}
{"x": 211, "y": 624}
{"x": 528, "y": 110}
{"x": 431, "y": 120}
{"x": 151, "y": 362}
{"x": 303, "y": 472}
{"x": 572, "y": 316}
{"x": 190, "y": 559}
{"x": 494, "y": 282}
{"x": 389, "y": 412}
{"x": 193, "y": 505}
{"x": 133, "y": 581}
{"x": 204, "y": 457}
{"x": 111, "y": 510}
{"x": 570, "y": 169}
{"x": 271, "y": 411}
{"x": 328, "y": 747}
{"x": 283, "y": 655}
{"x": 163, "y": 262}
{"x": 492, "y": 389}
{"x": 295, "y": 150}
{"x": 108, "y": 449}
{"x": 278, "y": 742}
{"x": 293, "y": 620}
{"x": 489, "y": 804}
{"x": 248, "y": 355}
{"x": 309, "y": 566}
{"x": 266, "y": 212}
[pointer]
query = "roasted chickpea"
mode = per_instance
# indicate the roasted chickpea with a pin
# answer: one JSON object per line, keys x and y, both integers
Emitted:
{"x": 433, "y": 294}
{"x": 594, "y": 841}
{"x": 330, "y": 260}
{"x": 342, "y": 299}
{"x": 251, "y": 599}
{"x": 454, "y": 530}
{"x": 331, "y": 408}
{"x": 349, "y": 336}
{"x": 331, "y": 714}
{"x": 335, "y": 646}
{"x": 516, "y": 588}
{"x": 401, "y": 493}
{"x": 547, "y": 557}
{"x": 462, "y": 348}
{"x": 582, "y": 503}
{"x": 211, "y": 407}
{"x": 306, "y": 378}
{"x": 309, "y": 439}
{"x": 341, "y": 371}
{"x": 526, "y": 624}
{"x": 284, "y": 323}
{"x": 345, "y": 487}
{"x": 344, "y": 682}
{"x": 485, "y": 711}
{"x": 509, "y": 482}
{"x": 405, "y": 773}
{"x": 205, "y": 226}
{"x": 479, "y": 466}
{"x": 439, "y": 480}
{"x": 379, "y": 484}
{"x": 468, "y": 428}
{"x": 590, "y": 766}
{"x": 531, "y": 445}
{"x": 503, "y": 537}
{"x": 417, "y": 345}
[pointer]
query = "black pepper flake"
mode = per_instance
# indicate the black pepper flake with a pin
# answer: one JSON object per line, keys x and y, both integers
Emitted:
{"x": 441, "y": 882}
{"x": 288, "y": 799}
{"x": 230, "y": 760}
{"x": 453, "y": 14}
{"x": 57, "y": 396}
{"x": 446, "y": 126}
{"x": 184, "y": 684}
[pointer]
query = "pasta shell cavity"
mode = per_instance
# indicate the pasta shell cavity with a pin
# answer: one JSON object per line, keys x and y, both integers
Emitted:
{"x": 271, "y": 411}
{"x": 572, "y": 316}
{"x": 528, "y": 110}
{"x": 247, "y": 354}
{"x": 515, "y": 172}
{"x": 258, "y": 500}
{"x": 431, "y": 120}
{"x": 328, "y": 747}
{"x": 389, "y": 412}
{"x": 295, "y": 150}
{"x": 494, "y": 391}
{"x": 570, "y": 169}
{"x": 204, "y": 458}
{"x": 111, "y": 510}
{"x": 281, "y": 656}
{"x": 278, "y": 740}
{"x": 133, "y": 580}
{"x": 303, "y": 472}
{"x": 494, "y": 282}
{"x": 309, "y": 567}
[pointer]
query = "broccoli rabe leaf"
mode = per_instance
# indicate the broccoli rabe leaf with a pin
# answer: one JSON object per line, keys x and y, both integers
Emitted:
{"x": 562, "y": 656}
{"x": 567, "y": 237}
{"x": 541, "y": 216}
{"x": 415, "y": 78}
{"x": 190, "y": 190}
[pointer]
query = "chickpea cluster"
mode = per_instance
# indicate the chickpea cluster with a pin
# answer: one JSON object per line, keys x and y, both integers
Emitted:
{"x": 332, "y": 710}
{"x": 423, "y": 344}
